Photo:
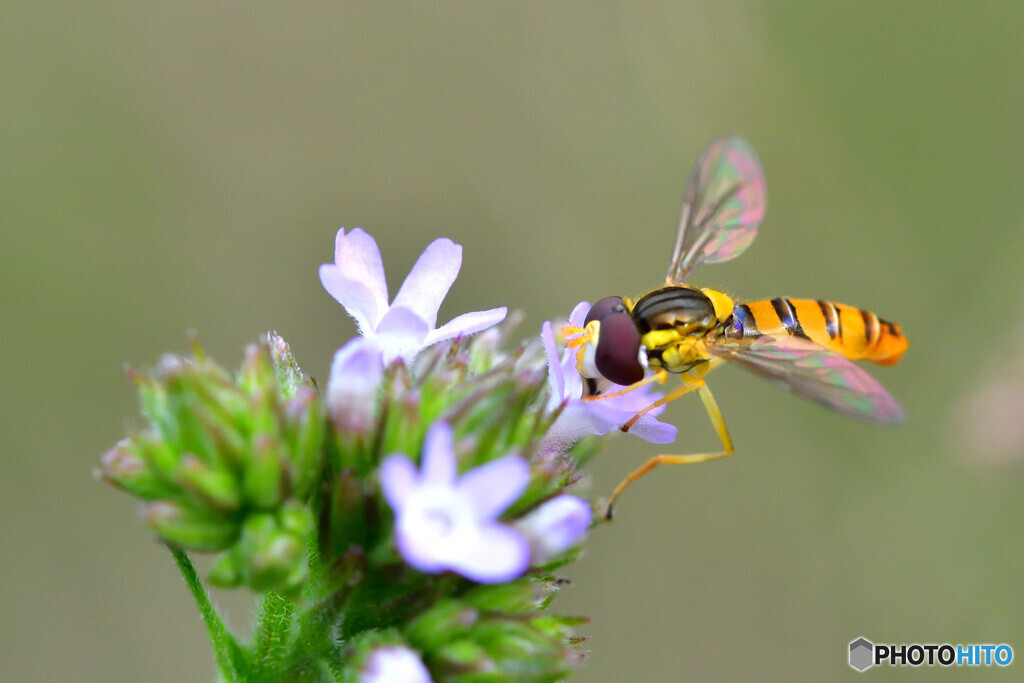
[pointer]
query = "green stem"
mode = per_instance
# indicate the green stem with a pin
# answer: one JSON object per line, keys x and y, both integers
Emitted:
{"x": 230, "y": 659}
{"x": 271, "y": 635}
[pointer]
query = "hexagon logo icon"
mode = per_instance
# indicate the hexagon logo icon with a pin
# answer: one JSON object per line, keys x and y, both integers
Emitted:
{"x": 862, "y": 654}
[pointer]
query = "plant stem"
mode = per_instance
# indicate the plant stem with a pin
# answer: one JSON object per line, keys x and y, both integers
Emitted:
{"x": 230, "y": 659}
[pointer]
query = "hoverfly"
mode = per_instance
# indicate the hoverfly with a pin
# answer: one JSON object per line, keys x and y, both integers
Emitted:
{"x": 803, "y": 345}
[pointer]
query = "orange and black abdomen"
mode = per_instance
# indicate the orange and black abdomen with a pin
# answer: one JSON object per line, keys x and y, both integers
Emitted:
{"x": 851, "y": 332}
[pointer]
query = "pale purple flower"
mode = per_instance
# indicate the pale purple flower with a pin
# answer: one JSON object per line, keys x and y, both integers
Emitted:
{"x": 555, "y": 526}
{"x": 407, "y": 325}
{"x": 579, "y": 417}
{"x": 356, "y": 372}
{"x": 394, "y": 664}
{"x": 443, "y": 521}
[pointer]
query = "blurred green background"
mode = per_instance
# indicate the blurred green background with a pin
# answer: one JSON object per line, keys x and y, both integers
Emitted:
{"x": 176, "y": 166}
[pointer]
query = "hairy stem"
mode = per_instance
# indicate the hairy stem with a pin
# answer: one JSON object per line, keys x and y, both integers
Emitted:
{"x": 230, "y": 659}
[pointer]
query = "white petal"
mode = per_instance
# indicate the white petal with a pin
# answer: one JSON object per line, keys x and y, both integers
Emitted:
{"x": 465, "y": 324}
{"x": 359, "y": 300}
{"x": 359, "y": 258}
{"x": 496, "y": 554}
{"x": 398, "y": 481}
{"x": 494, "y": 486}
{"x": 419, "y": 550}
{"x": 394, "y": 664}
{"x": 438, "y": 465}
{"x": 400, "y": 334}
{"x": 434, "y": 525}
{"x": 430, "y": 279}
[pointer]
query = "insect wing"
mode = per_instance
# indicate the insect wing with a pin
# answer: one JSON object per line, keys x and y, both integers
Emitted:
{"x": 816, "y": 373}
{"x": 724, "y": 205}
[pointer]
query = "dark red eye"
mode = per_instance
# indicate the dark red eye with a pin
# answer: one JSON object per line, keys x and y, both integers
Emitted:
{"x": 617, "y": 356}
{"x": 603, "y": 308}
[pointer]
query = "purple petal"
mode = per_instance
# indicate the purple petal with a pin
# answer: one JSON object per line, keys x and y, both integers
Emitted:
{"x": 556, "y": 375}
{"x": 498, "y": 553}
{"x": 573, "y": 380}
{"x": 555, "y": 526}
{"x": 358, "y": 299}
{"x": 467, "y": 323}
{"x": 359, "y": 259}
{"x": 653, "y": 431}
{"x": 588, "y": 421}
{"x": 614, "y": 412}
{"x": 397, "y": 480}
{"x": 400, "y": 334}
{"x": 579, "y": 313}
{"x": 494, "y": 486}
{"x": 438, "y": 466}
{"x": 354, "y": 362}
{"x": 356, "y": 373}
{"x": 430, "y": 279}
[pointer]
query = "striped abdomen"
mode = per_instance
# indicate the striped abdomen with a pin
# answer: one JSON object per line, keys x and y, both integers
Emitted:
{"x": 851, "y": 332}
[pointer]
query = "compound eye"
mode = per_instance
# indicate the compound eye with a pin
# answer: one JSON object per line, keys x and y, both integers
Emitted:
{"x": 617, "y": 355}
{"x": 603, "y": 307}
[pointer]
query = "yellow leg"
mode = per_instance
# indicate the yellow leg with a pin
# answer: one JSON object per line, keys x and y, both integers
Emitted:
{"x": 716, "y": 420}
{"x": 689, "y": 384}
{"x": 660, "y": 376}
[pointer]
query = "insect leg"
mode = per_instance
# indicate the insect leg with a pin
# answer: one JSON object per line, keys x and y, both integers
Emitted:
{"x": 660, "y": 376}
{"x": 689, "y": 384}
{"x": 716, "y": 420}
{"x": 691, "y": 381}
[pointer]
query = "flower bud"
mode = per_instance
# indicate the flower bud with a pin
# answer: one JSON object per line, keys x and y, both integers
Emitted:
{"x": 264, "y": 480}
{"x": 270, "y": 553}
{"x": 189, "y": 528}
{"x": 216, "y": 487}
{"x": 289, "y": 376}
{"x": 123, "y": 467}
{"x": 445, "y": 621}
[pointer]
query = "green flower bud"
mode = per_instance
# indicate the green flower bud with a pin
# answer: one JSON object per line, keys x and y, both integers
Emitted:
{"x": 289, "y": 376}
{"x": 270, "y": 553}
{"x": 464, "y": 656}
{"x": 124, "y": 467}
{"x": 265, "y": 479}
{"x": 226, "y": 571}
{"x": 218, "y": 488}
{"x": 441, "y": 624}
{"x": 190, "y": 528}
{"x": 307, "y": 429}
{"x": 515, "y": 597}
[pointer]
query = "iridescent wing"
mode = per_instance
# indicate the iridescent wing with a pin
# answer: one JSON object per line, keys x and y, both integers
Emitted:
{"x": 803, "y": 367}
{"x": 723, "y": 208}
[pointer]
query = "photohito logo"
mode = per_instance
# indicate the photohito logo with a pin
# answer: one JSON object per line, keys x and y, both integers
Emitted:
{"x": 864, "y": 654}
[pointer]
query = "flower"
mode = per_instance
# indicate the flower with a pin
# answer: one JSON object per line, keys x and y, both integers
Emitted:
{"x": 555, "y": 526}
{"x": 579, "y": 418}
{"x": 356, "y": 372}
{"x": 394, "y": 664}
{"x": 444, "y": 522}
{"x": 406, "y": 326}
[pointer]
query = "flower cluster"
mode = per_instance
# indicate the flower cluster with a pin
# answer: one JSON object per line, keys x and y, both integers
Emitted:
{"x": 406, "y": 525}
{"x": 228, "y": 464}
